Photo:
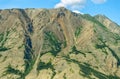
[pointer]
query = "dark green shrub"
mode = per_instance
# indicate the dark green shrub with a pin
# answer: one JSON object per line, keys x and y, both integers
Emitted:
{"x": 54, "y": 43}
{"x": 3, "y": 48}
{"x": 11, "y": 70}
{"x": 74, "y": 50}
{"x": 43, "y": 65}
{"x": 99, "y": 46}
{"x": 77, "y": 31}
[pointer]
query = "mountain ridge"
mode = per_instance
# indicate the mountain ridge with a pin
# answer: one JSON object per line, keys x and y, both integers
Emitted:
{"x": 58, "y": 44}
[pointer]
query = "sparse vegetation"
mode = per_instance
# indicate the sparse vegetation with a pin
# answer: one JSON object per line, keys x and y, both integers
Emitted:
{"x": 4, "y": 59}
{"x": 74, "y": 50}
{"x": 1, "y": 36}
{"x": 54, "y": 43}
{"x": 102, "y": 46}
{"x": 64, "y": 44}
{"x": 11, "y": 70}
{"x": 0, "y": 16}
{"x": 78, "y": 31}
{"x": 86, "y": 70}
{"x": 28, "y": 67}
{"x": 3, "y": 39}
{"x": 43, "y": 65}
{"x": 20, "y": 46}
{"x": 64, "y": 76}
{"x": 0, "y": 55}
{"x": 116, "y": 37}
{"x": 71, "y": 70}
{"x": 3, "y": 48}
{"x": 111, "y": 50}
{"x": 92, "y": 19}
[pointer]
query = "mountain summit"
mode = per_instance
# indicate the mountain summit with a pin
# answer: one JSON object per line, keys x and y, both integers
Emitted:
{"x": 58, "y": 44}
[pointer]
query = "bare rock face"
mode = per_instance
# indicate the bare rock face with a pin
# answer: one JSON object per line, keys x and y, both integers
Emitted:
{"x": 58, "y": 44}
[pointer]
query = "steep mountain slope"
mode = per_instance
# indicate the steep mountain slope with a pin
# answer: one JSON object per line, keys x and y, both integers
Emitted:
{"x": 113, "y": 27}
{"x": 58, "y": 44}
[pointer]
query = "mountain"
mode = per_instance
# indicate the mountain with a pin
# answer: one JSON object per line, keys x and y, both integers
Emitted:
{"x": 58, "y": 44}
